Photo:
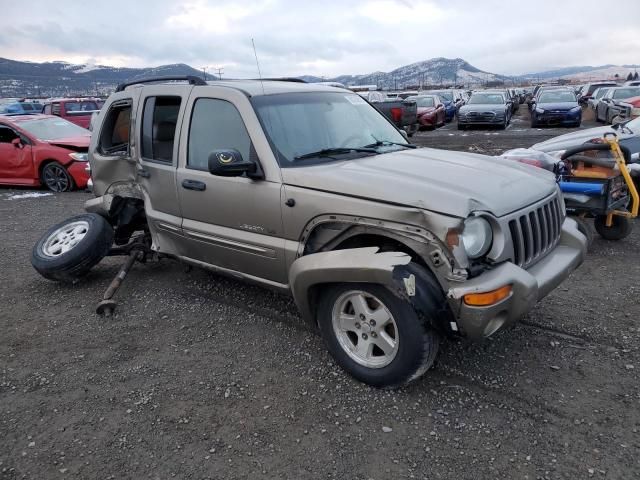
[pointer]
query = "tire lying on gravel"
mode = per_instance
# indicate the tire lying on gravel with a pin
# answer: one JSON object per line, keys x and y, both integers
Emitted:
{"x": 376, "y": 336}
{"x": 68, "y": 250}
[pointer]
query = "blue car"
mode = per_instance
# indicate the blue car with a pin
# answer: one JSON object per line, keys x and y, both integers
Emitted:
{"x": 20, "y": 108}
{"x": 451, "y": 102}
{"x": 556, "y": 107}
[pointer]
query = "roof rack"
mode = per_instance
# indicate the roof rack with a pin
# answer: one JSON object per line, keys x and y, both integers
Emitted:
{"x": 193, "y": 80}
{"x": 282, "y": 79}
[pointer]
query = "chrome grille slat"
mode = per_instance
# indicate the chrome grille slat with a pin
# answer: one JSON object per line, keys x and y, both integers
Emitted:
{"x": 535, "y": 231}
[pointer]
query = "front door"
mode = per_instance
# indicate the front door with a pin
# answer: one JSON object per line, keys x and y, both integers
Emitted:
{"x": 16, "y": 164}
{"x": 229, "y": 222}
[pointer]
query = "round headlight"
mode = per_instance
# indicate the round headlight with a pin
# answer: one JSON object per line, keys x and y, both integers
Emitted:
{"x": 477, "y": 237}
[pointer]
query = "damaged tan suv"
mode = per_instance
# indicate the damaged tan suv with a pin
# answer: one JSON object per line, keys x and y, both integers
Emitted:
{"x": 309, "y": 190}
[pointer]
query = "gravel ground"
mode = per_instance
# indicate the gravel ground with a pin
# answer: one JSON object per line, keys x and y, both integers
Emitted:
{"x": 199, "y": 376}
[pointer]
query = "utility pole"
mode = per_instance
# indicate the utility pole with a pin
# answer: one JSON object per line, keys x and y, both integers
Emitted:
{"x": 204, "y": 73}
{"x": 219, "y": 70}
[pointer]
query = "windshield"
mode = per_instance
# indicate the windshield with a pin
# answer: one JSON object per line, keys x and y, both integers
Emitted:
{"x": 557, "y": 96}
{"x": 601, "y": 92}
{"x": 300, "y": 123}
{"x": 626, "y": 92}
{"x": 53, "y": 128}
{"x": 423, "y": 101}
{"x": 486, "y": 99}
{"x": 446, "y": 95}
{"x": 83, "y": 107}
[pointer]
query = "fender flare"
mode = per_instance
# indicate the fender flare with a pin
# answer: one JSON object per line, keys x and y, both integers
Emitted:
{"x": 367, "y": 265}
{"x": 350, "y": 265}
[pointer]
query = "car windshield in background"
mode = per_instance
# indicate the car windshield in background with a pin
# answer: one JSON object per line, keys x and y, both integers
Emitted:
{"x": 486, "y": 99}
{"x": 301, "y": 123}
{"x": 557, "y": 96}
{"x": 53, "y": 128}
{"x": 446, "y": 95}
{"x": 423, "y": 101}
{"x": 79, "y": 108}
{"x": 626, "y": 93}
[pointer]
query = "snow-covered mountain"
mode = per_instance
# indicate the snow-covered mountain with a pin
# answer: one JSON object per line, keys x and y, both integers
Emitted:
{"x": 19, "y": 79}
{"x": 586, "y": 73}
{"x": 436, "y": 71}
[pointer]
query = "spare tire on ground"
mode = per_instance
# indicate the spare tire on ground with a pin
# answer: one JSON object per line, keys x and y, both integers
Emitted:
{"x": 68, "y": 250}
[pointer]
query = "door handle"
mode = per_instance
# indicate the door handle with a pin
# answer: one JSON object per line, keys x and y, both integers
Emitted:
{"x": 194, "y": 185}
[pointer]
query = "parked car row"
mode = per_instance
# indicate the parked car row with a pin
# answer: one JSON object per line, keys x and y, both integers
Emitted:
{"x": 75, "y": 110}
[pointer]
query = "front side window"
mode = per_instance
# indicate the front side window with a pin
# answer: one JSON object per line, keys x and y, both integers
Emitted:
{"x": 7, "y": 135}
{"x": 159, "y": 122}
{"x": 114, "y": 136}
{"x": 215, "y": 125}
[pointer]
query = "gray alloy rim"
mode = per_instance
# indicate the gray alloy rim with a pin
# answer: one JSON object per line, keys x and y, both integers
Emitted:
{"x": 56, "y": 178}
{"x": 365, "y": 329}
{"x": 65, "y": 238}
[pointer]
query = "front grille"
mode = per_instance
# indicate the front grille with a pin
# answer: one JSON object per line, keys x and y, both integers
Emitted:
{"x": 481, "y": 116}
{"x": 535, "y": 232}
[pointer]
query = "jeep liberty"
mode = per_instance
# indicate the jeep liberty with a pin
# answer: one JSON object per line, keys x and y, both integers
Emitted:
{"x": 309, "y": 190}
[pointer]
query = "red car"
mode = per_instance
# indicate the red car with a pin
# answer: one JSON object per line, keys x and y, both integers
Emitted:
{"x": 75, "y": 110}
{"x": 431, "y": 111}
{"x": 43, "y": 150}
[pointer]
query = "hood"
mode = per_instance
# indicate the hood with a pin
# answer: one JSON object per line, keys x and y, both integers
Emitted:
{"x": 423, "y": 110}
{"x": 452, "y": 183}
{"x": 72, "y": 143}
{"x": 481, "y": 107}
{"x": 557, "y": 105}
{"x": 574, "y": 139}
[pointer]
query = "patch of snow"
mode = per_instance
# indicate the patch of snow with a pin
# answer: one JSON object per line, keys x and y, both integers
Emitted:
{"x": 28, "y": 195}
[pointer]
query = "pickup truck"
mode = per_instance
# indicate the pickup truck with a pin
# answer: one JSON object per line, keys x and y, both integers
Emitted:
{"x": 403, "y": 113}
{"x": 310, "y": 191}
{"x": 74, "y": 110}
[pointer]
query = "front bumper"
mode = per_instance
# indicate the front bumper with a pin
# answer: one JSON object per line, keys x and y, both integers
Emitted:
{"x": 79, "y": 173}
{"x": 528, "y": 286}
{"x": 564, "y": 118}
{"x": 497, "y": 119}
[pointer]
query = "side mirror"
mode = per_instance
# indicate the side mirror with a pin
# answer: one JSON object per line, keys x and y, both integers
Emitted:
{"x": 17, "y": 142}
{"x": 404, "y": 134}
{"x": 229, "y": 163}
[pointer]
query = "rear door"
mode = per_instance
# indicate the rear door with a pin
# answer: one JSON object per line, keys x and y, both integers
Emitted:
{"x": 16, "y": 162}
{"x": 158, "y": 132}
{"x": 234, "y": 223}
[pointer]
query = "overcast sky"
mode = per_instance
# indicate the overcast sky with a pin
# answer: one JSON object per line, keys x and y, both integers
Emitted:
{"x": 325, "y": 38}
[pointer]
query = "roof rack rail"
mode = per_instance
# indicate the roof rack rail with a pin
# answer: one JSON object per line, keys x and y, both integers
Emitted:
{"x": 193, "y": 80}
{"x": 282, "y": 79}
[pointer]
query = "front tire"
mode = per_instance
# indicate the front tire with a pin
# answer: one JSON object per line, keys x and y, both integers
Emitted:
{"x": 621, "y": 227}
{"x": 56, "y": 178}
{"x": 68, "y": 250}
{"x": 374, "y": 335}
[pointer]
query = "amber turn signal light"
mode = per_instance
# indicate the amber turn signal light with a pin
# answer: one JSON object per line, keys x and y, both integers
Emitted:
{"x": 487, "y": 298}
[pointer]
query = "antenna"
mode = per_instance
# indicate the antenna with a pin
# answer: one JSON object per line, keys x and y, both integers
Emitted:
{"x": 258, "y": 65}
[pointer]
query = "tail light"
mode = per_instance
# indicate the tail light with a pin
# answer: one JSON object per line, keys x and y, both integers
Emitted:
{"x": 396, "y": 114}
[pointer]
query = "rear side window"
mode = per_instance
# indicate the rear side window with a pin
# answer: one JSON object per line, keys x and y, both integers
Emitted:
{"x": 215, "y": 124}
{"x": 114, "y": 135}
{"x": 55, "y": 109}
{"x": 159, "y": 121}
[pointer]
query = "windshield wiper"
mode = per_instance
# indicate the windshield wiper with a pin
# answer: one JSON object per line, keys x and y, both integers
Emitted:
{"x": 384, "y": 143}
{"x": 335, "y": 151}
